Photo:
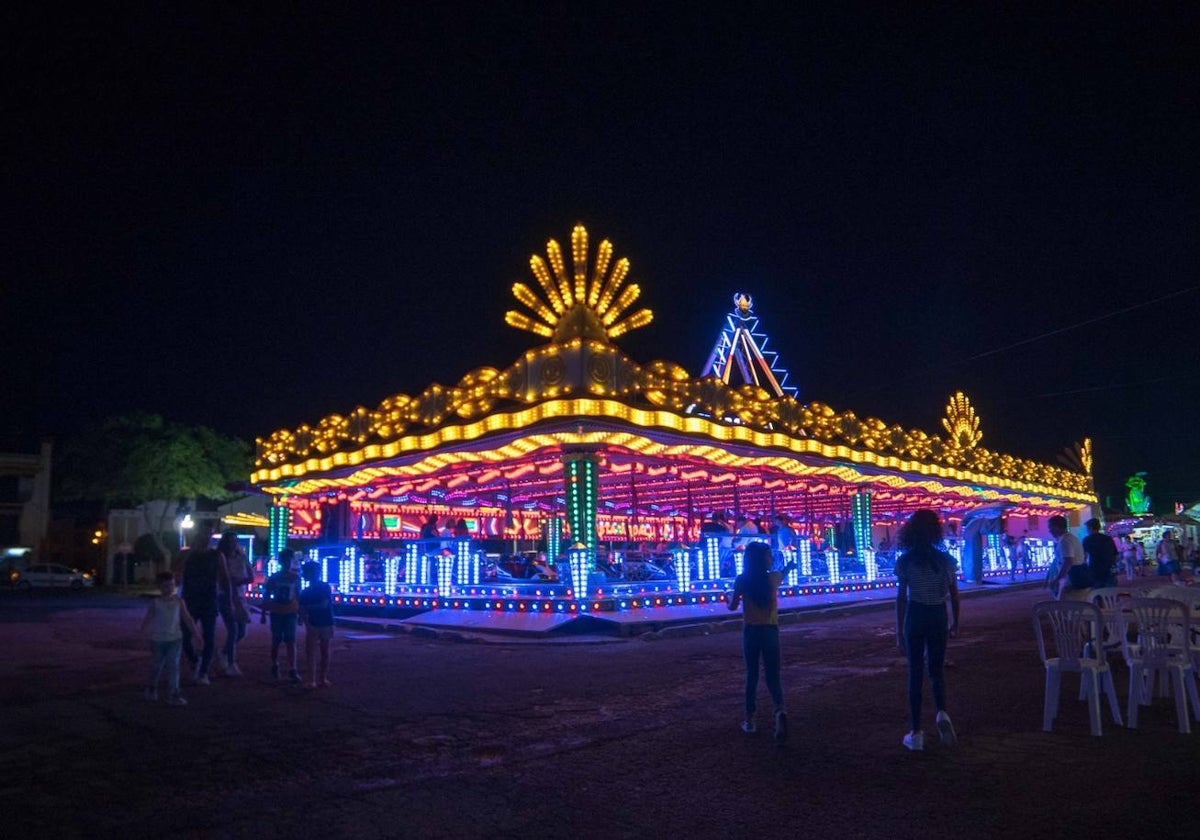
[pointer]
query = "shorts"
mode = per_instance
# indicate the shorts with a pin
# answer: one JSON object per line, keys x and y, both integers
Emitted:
{"x": 325, "y": 633}
{"x": 283, "y": 627}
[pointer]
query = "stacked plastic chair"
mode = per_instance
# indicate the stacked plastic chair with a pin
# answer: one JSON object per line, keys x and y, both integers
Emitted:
{"x": 1073, "y": 645}
{"x": 1109, "y": 599}
{"x": 1164, "y": 651}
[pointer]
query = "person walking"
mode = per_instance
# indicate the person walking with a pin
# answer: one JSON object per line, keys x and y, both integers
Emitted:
{"x": 316, "y": 614}
{"x": 282, "y": 603}
{"x": 1128, "y": 557}
{"x": 166, "y": 616}
{"x": 206, "y": 593}
{"x": 235, "y": 615}
{"x": 926, "y": 580}
{"x": 1101, "y": 552}
{"x": 758, "y": 587}
{"x": 1021, "y": 555}
{"x": 1167, "y": 557}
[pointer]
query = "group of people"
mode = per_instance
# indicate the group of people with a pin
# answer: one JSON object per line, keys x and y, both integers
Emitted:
{"x": 1170, "y": 556}
{"x": 1094, "y": 561}
{"x": 926, "y": 583}
{"x": 745, "y": 531}
{"x": 451, "y": 529}
{"x": 210, "y": 582}
{"x": 287, "y": 603}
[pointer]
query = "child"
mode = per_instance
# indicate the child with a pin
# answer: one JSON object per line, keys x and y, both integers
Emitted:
{"x": 759, "y": 586}
{"x": 164, "y": 615}
{"x": 281, "y": 601}
{"x": 316, "y": 613}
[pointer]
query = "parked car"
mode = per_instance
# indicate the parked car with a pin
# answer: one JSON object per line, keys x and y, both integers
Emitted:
{"x": 50, "y": 574}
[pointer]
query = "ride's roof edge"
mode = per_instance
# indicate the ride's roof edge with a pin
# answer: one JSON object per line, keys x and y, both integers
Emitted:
{"x": 588, "y": 383}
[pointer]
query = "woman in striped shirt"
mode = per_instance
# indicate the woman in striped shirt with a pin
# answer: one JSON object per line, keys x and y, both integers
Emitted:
{"x": 925, "y": 581}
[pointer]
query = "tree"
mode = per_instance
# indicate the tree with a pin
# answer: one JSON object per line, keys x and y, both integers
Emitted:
{"x": 134, "y": 459}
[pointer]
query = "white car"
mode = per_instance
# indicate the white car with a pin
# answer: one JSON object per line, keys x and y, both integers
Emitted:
{"x": 50, "y": 574}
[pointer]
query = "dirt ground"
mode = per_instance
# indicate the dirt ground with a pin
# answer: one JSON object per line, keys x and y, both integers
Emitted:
{"x": 630, "y": 738}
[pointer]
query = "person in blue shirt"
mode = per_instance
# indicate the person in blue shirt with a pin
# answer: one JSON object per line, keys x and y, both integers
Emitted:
{"x": 782, "y": 537}
{"x": 316, "y": 614}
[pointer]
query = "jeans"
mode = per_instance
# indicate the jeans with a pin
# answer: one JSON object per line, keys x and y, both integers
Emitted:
{"x": 761, "y": 641}
{"x": 165, "y": 655}
{"x": 208, "y": 632}
{"x": 925, "y": 630}
{"x": 235, "y": 631}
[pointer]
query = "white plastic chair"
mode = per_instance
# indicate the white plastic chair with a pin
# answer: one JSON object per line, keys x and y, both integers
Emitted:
{"x": 1189, "y": 596}
{"x": 1109, "y": 600}
{"x": 1163, "y": 650}
{"x": 1074, "y": 626}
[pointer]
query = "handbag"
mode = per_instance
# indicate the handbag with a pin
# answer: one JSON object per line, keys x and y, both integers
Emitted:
{"x": 241, "y": 613}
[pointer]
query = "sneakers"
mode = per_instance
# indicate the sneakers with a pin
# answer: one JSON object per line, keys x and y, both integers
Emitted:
{"x": 325, "y": 683}
{"x": 915, "y": 741}
{"x": 203, "y": 679}
{"x": 294, "y": 677}
{"x": 176, "y": 700}
{"x": 274, "y": 670}
{"x": 781, "y": 727}
{"x": 310, "y": 685}
{"x": 232, "y": 670}
{"x": 749, "y": 726}
{"x": 946, "y": 729}
{"x": 151, "y": 694}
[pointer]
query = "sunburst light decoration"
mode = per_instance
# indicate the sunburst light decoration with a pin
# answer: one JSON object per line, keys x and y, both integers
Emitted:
{"x": 579, "y": 304}
{"x": 961, "y": 423}
{"x": 1078, "y": 457}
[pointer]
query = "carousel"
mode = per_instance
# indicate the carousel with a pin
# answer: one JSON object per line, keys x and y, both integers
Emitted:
{"x": 577, "y": 480}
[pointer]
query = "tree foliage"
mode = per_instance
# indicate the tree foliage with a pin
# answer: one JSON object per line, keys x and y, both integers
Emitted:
{"x": 137, "y": 458}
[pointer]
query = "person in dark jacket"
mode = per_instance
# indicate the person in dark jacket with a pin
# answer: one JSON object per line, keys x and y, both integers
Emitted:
{"x": 205, "y": 591}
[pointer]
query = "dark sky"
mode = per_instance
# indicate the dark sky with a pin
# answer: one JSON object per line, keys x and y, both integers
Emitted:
{"x": 251, "y": 222}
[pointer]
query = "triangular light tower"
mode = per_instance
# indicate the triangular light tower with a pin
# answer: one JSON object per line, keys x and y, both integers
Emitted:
{"x": 742, "y": 345}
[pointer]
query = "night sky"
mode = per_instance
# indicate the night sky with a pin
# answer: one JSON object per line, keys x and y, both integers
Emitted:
{"x": 251, "y": 222}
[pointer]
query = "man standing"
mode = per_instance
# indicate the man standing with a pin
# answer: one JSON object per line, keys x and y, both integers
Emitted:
{"x": 1068, "y": 556}
{"x": 1167, "y": 556}
{"x": 782, "y": 537}
{"x": 1101, "y": 553}
{"x": 746, "y": 531}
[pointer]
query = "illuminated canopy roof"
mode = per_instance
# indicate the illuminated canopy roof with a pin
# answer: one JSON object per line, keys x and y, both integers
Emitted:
{"x": 669, "y": 443}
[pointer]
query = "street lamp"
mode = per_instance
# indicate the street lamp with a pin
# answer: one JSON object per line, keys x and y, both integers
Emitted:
{"x": 185, "y": 524}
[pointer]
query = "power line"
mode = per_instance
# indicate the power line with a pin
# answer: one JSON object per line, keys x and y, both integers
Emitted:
{"x": 1183, "y": 377}
{"x": 1086, "y": 323}
{"x": 918, "y": 374}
